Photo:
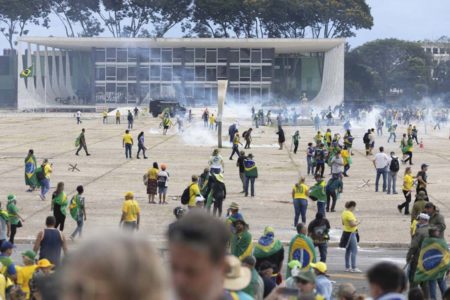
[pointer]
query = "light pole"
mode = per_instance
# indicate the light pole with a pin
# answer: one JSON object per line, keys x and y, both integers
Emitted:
{"x": 221, "y": 94}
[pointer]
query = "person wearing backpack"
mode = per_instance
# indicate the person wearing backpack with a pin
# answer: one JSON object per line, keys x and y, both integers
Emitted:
{"x": 394, "y": 167}
{"x": 219, "y": 193}
{"x": 366, "y": 141}
{"x": 163, "y": 179}
{"x": 78, "y": 211}
{"x": 194, "y": 192}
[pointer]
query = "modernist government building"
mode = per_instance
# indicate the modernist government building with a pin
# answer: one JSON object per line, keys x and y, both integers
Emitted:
{"x": 132, "y": 71}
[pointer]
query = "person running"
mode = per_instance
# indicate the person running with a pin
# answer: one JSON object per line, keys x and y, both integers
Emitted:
{"x": 44, "y": 178}
{"x": 318, "y": 231}
{"x": 163, "y": 183}
{"x": 50, "y": 242}
{"x": 408, "y": 182}
{"x": 381, "y": 163}
{"x": 127, "y": 143}
{"x": 281, "y": 137}
{"x": 414, "y": 134}
{"x": 394, "y": 167}
{"x": 236, "y": 143}
{"x": 152, "y": 183}
{"x": 81, "y": 140}
{"x": 346, "y": 157}
{"x": 240, "y": 165}
{"x": 295, "y": 141}
{"x": 216, "y": 163}
{"x": 349, "y": 239}
{"x": 15, "y": 220}
{"x": 141, "y": 145}
{"x": 59, "y": 206}
{"x": 309, "y": 158}
{"x": 30, "y": 171}
{"x": 77, "y": 210}
{"x": 117, "y": 116}
{"x": 131, "y": 213}
{"x": 130, "y": 120}
{"x": 247, "y": 135}
{"x": 232, "y": 130}
{"x": 166, "y": 123}
{"x": 251, "y": 173}
{"x": 408, "y": 152}
{"x": 300, "y": 193}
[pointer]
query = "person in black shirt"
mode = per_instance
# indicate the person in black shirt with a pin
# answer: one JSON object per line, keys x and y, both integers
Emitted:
{"x": 318, "y": 230}
{"x": 240, "y": 164}
{"x": 422, "y": 179}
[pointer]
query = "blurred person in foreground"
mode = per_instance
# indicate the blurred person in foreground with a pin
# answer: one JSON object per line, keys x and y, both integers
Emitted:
{"x": 386, "y": 282}
{"x": 197, "y": 258}
{"x": 113, "y": 267}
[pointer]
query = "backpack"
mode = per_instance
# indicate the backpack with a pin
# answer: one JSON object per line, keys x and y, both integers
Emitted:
{"x": 366, "y": 139}
{"x": 244, "y": 135}
{"x": 186, "y": 195}
{"x": 218, "y": 190}
{"x": 40, "y": 174}
{"x": 395, "y": 165}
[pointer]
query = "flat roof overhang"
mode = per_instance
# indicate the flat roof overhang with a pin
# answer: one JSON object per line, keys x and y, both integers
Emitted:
{"x": 280, "y": 45}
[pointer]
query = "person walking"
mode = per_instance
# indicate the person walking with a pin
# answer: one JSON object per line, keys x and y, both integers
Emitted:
{"x": 394, "y": 167}
{"x": 141, "y": 145}
{"x": 130, "y": 120}
{"x": 295, "y": 142}
{"x": 127, "y": 143}
{"x": 5, "y": 226}
{"x": 348, "y": 141}
{"x": 300, "y": 193}
{"x": 337, "y": 164}
{"x": 105, "y": 116}
{"x": 194, "y": 192}
{"x": 78, "y": 117}
{"x": 166, "y": 122}
{"x": 43, "y": 175}
{"x": 346, "y": 157}
{"x": 409, "y": 150}
{"x": 117, "y": 116}
{"x": 163, "y": 183}
{"x": 247, "y": 135}
{"x": 318, "y": 193}
{"x": 309, "y": 158}
{"x": 236, "y": 143}
{"x": 30, "y": 171}
{"x": 281, "y": 137}
{"x": 131, "y": 213}
{"x": 320, "y": 155}
{"x": 366, "y": 140}
{"x": 219, "y": 194}
{"x": 77, "y": 210}
{"x": 408, "y": 182}
{"x": 152, "y": 183}
{"x": 240, "y": 165}
{"x": 216, "y": 163}
{"x": 59, "y": 206}
{"x": 81, "y": 140}
{"x": 15, "y": 220}
{"x": 436, "y": 219}
{"x": 372, "y": 141}
{"x": 414, "y": 132}
{"x": 324, "y": 286}
{"x": 381, "y": 162}
{"x": 422, "y": 178}
{"x": 349, "y": 238}
{"x": 318, "y": 231}
{"x": 136, "y": 112}
{"x": 333, "y": 189}
{"x": 50, "y": 242}
{"x": 251, "y": 173}
{"x": 212, "y": 122}
{"x": 392, "y": 134}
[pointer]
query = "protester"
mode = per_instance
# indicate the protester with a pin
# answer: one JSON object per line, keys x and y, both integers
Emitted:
{"x": 152, "y": 183}
{"x": 324, "y": 286}
{"x": 105, "y": 116}
{"x": 216, "y": 163}
{"x": 163, "y": 183}
{"x": 301, "y": 248}
{"x": 255, "y": 288}
{"x": 5, "y": 226}
{"x": 419, "y": 205}
{"x": 241, "y": 244}
{"x": 320, "y": 156}
{"x": 212, "y": 122}
{"x": 44, "y": 178}
{"x": 240, "y": 164}
{"x": 394, "y": 167}
{"x": 117, "y": 116}
{"x": 131, "y": 213}
{"x": 333, "y": 188}
{"x": 437, "y": 221}
{"x": 194, "y": 192}
{"x": 269, "y": 249}
{"x": 81, "y": 141}
{"x": 408, "y": 150}
{"x": 59, "y": 206}
{"x": 77, "y": 210}
{"x": 422, "y": 178}
{"x": 251, "y": 174}
{"x": 366, "y": 140}
{"x": 30, "y": 171}
{"x": 309, "y": 158}
{"x": 381, "y": 163}
{"x": 127, "y": 143}
{"x": 233, "y": 214}
{"x": 219, "y": 194}
{"x": 295, "y": 142}
{"x": 346, "y": 157}
{"x": 318, "y": 231}
{"x": 50, "y": 242}
{"x": 349, "y": 238}
{"x": 408, "y": 182}
{"x": 438, "y": 273}
{"x": 25, "y": 272}
{"x": 15, "y": 220}
{"x": 266, "y": 272}
{"x": 386, "y": 282}
{"x": 130, "y": 120}
{"x": 236, "y": 143}
{"x": 281, "y": 137}
{"x": 346, "y": 291}
{"x": 141, "y": 145}
{"x": 247, "y": 135}
{"x": 300, "y": 193}
{"x": 41, "y": 281}
{"x": 7, "y": 264}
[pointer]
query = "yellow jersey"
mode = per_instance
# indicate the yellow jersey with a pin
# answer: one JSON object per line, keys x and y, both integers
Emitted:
{"x": 408, "y": 182}
{"x": 194, "y": 191}
{"x": 47, "y": 170}
{"x": 300, "y": 191}
{"x": 212, "y": 120}
{"x": 131, "y": 210}
{"x": 347, "y": 217}
{"x": 127, "y": 138}
{"x": 153, "y": 173}
{"x": 345, "y": 155}
{"x": 117, "y": 114}
{"x": 24, "y": 275}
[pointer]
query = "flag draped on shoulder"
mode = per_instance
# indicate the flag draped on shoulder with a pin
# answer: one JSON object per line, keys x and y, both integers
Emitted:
{"x": 266, "y": 246}
{"x": 26, "y": 72}
{"x": 434, "y": 260}
{"x": 302, "y": 249}
{"x": 30, "y": 170}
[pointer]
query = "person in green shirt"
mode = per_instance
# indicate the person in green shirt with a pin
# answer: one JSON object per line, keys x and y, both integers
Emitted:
{"x": 241, "y": 240}
{"x": 14, "y": 218}
{"x": 295, "y": 140}
{"x": 59, "y": 206}
{"x": 256, "y": 286}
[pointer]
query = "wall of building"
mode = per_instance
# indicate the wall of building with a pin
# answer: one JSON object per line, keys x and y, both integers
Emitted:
{"x": 8, "y": 84}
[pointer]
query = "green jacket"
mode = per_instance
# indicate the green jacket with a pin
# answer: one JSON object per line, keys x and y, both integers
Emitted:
{"x": 241, "y": 244}
{"x": 416, "y": 242}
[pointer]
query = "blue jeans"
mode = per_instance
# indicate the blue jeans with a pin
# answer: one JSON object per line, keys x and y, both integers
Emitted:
{"x": 392, "y": 135}
{"x": 442, "y": 287}
{"x": 45, "y": 186}
{"x": 321, "y": 207}
{"x": 300, "y": 206}
{"x": 323, "y": 250}
{"x": 351, "y": 251}
{"x": 381, "y": 172}
{"x": 392, "y": 181}
{"x": 79, "y": 229}
{"x": 128, "y": 150}
{"x": 310, "y": 165}
{"x": 250, "y": 181}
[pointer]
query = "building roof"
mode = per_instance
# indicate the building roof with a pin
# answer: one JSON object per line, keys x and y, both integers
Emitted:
{"x": 280, "y": 45}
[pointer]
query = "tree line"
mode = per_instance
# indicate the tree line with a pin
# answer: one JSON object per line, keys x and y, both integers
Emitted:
{"x": 196, "y": 18}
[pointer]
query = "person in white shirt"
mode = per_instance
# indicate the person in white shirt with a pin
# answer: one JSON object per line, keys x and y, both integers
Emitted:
{"x": 381, "y": 163}
{"x": 78, "y": 117}
{"x": 337, "y": 164}
{"x": 216, "y": 163}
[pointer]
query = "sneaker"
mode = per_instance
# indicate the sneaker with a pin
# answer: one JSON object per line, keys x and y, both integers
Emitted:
{"x": 399, "y": 209}
{"x": 356, "y": 270}
{"x": 348, "y": 270}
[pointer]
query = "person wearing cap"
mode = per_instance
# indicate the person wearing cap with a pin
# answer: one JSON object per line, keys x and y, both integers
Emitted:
{"x": 44, "y": 268}
{"x": 436, "y": 219}
{"x": 25, "y": 272}
{"x": 318, "y": 230}
{"x": 194, "y": 192}
{"x": 306, "y": 283}
{"x": 300, "y": 193}
{"x": 251, "y": 173}
{"x": 412, "y": 257}
{"x": 408, "y": 182}
{"x": 324, "y": 286}
{"x": 163, "y": 183}
{"x": 15, "y": 220}
{"x": 8, "y": 267}
{"x": 422, "y": 178}
{"x": 241, "y": 244}
{"x": 256, "y": 286}
{"x": 50, "y": 241}
{"x": 5, "y": 225}
{"x": 233, "y": 214}
{"x": 419, "y": 205}
{"x": 270, "y": 249}
{"x": 131, "y": 213}
{"x": 386, "y": 282}
{"x": 218, "y": 193}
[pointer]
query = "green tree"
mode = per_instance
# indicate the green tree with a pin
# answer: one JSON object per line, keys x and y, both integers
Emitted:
{"x": 169, "y": 13}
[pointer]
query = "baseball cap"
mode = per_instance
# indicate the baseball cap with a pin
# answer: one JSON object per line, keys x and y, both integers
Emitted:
{"x": 6, "y": 245}
{"x": 306, "y": 275}
{"x": 429, "y": 205}
{"x": 29, "y": 254}
{"x": 424, "y": 166}
{"x": 319, "y": 266}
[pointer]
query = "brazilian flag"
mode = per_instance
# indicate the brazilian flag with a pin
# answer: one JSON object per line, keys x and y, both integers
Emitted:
{"x": 434, "y": 260}
{"x": 266, "y": 247}
{"x": 27, "y": 72}
{"x": 30, "y": 171}
{"x": 301, "y": 248}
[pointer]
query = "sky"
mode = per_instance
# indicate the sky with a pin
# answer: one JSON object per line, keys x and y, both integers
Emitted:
{"x": 404, "y": 19}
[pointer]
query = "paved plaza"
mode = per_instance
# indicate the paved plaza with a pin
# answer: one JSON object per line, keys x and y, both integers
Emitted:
{"x": 107, "y": 175}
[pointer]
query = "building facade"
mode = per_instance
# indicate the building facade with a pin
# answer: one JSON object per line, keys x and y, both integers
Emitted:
{"x": 119, "y": 72}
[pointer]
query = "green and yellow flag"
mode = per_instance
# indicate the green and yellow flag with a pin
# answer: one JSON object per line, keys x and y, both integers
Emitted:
{"x": 434, "y": 260}
{"x": 30, "y": 171}
{"x": 27, "y": 72}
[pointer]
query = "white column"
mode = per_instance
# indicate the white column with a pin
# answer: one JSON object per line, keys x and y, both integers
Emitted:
{"x": 48, "y": 81}
{"x": 61, "y": 79}
{"x": 68, "y": 77}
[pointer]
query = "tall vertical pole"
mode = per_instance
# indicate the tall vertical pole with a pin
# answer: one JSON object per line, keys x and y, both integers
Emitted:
{"x": 221, "y": 94}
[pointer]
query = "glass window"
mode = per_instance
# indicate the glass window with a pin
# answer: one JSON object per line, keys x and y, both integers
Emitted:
{"x": 155, "y": 90}
{"x": 155, "y": 54}
{"x": 211, "y": 56}
{"x": 199, "y": 92}
{"x": 245, "y": 55}
{"x": 144, "y": 54}
{"x": 200, "y": 54}
{"x": 234, "y": 74}
{"x": 189, "y": 55}
{"x": 167, "y": 55}
{"x": 100, "y": 93}
{"x": 267, "y": 72}
{"x": 122, "y": 74}
{"x": 178, "y": 54}
{"x": 268, "y": 54}
{"x": 132, "y": 53}
{"x": 177, "y": 72}
{"x": 110, "y": 87}
{"x": 166, "y": 74}
{"x": 111, "y": 54}
{"x": 110, "y": 73}
{"x": 199, "y": 73}
{"x": 189, "y": 74}
{"x": 256, "y": 74}
{"x": 155, "y": 72}
{"x": 100, "y": 55}
{"x": 122, "y": 55}
{"x": 100, "y": 73}
{"x": 131, "y": 73}
{"x": 144, "y": 73}
{"x": 221, "y": 72}
{"x": 121, "y": 94}
{"x": 245, "y": 72}
{"x": 245, "y": 92}
{"x": 222, "y": 55}
{"x": 234, "y": 55}
{"x": 256, "y": 55}
{"x": 211, "y": 74}
{"x": 132, "y": 92}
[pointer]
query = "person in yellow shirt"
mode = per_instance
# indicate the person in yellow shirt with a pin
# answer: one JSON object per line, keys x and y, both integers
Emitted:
{"x": 45, "y": 182}
{"x": 408, "y": 182}
{"x": 25, "y": 273}
{"x": 117, "y": 116}
{"x": 105, "y": 116}
{"x": 318, "y": 138}
{"x": 152, "y": 183}
{"x": 349, "y": 239}
{"x": 347, "y": 160}
{"x": 328, "y": 137}
{"x": 127, "y": 143}
{"x": 299, "y": 198}
{"x": 194, "y": 192}
{"x": 212, "y": 121}
{"x": 131, "y": 213}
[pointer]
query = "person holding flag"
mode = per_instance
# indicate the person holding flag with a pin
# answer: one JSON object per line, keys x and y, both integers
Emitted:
{"x": 30, "y": 171}
{"x": 270, "y": 249}
{"x": 78, "y": 211}
{"x": 301, "y": 248}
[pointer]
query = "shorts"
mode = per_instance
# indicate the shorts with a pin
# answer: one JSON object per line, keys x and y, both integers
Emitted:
{"x": 162, "y": 190}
